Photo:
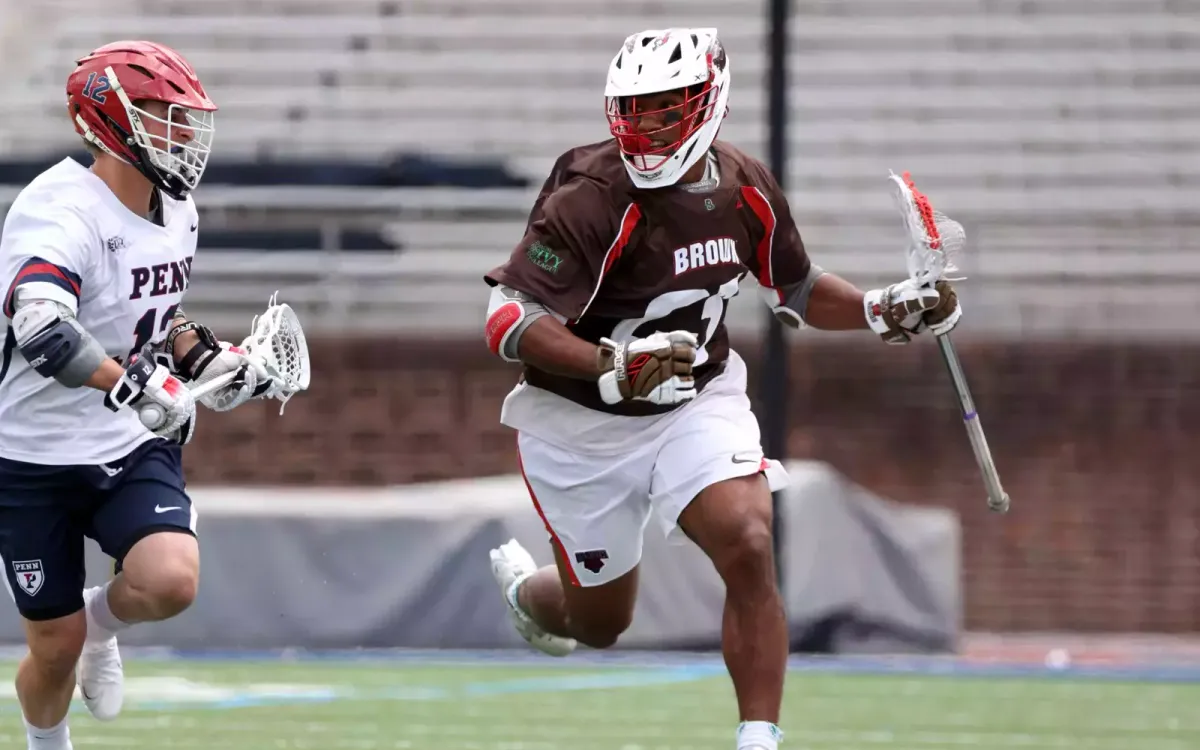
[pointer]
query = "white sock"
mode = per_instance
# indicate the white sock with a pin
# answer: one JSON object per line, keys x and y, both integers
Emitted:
{"x": 102, "y": 624}
{"x": 511, "y": 594}
{"x": 57, "y": 737}
{"x": 758, "y": 734}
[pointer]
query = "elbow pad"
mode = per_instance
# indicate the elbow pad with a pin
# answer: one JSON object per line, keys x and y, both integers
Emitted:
{"x": 54, "y": 344}
{"x": 790, "y": 302}
{"x": 510, "y": 313}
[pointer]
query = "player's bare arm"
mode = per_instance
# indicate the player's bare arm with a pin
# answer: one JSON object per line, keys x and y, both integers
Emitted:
{"x": 657, "y": 368}
{"x": 835, "y": 304}
{"x": 800, "y": 293}
{"x": 896, "y": 313}
{"x": 106, "y": 376}
{"x": 549, "y": 346}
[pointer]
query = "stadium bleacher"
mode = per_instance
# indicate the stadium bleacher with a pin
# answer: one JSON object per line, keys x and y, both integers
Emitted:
{"x": 433, "y": 122}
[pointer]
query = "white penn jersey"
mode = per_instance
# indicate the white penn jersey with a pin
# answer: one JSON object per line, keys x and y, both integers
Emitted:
{"x": 69, "y": 239}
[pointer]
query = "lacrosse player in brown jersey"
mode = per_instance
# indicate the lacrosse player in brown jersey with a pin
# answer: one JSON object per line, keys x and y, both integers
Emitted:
{"x": 632, "y": 406}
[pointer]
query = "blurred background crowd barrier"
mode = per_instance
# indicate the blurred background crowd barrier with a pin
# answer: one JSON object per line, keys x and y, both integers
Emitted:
{"x": 374, "y": 158}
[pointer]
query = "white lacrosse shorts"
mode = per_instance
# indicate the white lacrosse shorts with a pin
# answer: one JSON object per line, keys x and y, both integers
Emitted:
{"x": 596, "y": 507}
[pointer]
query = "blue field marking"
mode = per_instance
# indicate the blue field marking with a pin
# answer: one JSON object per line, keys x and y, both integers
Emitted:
{"x": 952, "y": 667}
{"x": 617, "y": 670}
{"x": 667, "y": 666}
{"x": 242, "y": 701}
{"x": 598, "y": 681}
{"x": 710, "y": 663}
{"x": 220, "y": 704}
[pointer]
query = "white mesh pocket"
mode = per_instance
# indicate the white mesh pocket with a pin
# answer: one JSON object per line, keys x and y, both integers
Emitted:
{"x": 935, "y": 240}
{"x": 279, "y": 341}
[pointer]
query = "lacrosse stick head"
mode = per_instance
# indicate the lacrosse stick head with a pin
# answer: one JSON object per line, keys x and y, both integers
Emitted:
{"x": 277, "y": 339}
{"x": 935, "y": 240}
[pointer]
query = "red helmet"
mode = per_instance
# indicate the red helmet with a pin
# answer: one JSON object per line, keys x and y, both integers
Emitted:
{"x": 103, "y": 97}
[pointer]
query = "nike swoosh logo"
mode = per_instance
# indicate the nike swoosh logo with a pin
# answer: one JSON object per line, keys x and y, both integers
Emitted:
{"x": 160, "y": 509}
{"x": 746, "y": 458}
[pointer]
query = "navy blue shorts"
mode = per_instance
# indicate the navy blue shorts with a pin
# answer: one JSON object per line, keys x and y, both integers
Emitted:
{"x": 46, "y": 511}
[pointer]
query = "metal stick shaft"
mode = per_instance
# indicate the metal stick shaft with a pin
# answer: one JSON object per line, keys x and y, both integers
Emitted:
{"x": 215, "y": 384}
{"x": 997, "y": 498}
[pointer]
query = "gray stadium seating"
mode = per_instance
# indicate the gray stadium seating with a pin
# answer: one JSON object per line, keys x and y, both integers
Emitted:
{"x": 1054, "y": 128}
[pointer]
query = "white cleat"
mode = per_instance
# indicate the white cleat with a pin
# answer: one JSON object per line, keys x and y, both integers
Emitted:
{"x": 99, "y": 672}
{"x": 511, "y": 564}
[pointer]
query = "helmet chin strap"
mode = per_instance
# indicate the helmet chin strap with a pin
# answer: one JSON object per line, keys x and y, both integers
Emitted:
{"x": 157, "y": 215}
{"x": 709, "y": 181}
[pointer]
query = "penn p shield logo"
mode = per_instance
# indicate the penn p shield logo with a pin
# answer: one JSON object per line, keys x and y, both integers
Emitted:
{"x": 30, "y": 575}
{"x": 543, "y": 257}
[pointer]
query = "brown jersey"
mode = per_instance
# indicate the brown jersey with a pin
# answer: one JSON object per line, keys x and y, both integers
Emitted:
{"x": 621, "y": 262}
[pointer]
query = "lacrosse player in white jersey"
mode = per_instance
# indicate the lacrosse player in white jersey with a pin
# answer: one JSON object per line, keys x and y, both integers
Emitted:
{"x": 94, "y": 264}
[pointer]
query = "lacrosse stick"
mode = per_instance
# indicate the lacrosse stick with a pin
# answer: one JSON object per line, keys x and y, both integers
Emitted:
{"x": 277, "y": 340}
{"x": 935, "y": 242}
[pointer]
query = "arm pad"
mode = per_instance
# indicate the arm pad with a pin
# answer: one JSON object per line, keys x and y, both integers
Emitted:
{"x": 790, "y": 302}
{"x": 510, "y": 313}
{"x": 54, "y": 344}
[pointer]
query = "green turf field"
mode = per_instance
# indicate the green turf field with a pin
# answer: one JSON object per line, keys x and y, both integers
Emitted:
{"x": 247, "y": 705}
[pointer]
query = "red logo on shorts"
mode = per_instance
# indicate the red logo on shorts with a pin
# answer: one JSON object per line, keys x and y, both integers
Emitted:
{"x": 592, "y": 560}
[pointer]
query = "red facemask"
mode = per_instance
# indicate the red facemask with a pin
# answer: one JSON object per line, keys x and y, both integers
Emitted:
{"x": 636, "y": 128}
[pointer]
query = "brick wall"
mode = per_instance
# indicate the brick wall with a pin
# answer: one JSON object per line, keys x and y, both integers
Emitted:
{"x": 1098, "y": 446}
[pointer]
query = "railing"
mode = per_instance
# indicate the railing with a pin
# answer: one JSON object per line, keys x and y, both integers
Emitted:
{"x": 1077, "y": 273}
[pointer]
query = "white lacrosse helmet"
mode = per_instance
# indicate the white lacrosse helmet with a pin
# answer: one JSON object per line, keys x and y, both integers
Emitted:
{"x": 655, "y": 61}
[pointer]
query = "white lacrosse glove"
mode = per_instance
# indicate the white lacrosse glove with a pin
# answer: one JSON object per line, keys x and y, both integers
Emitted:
{"x": 163, "y": 403}
{"x": 946, "y": 314}
{"x": 210, "y": 359}
{"x": 250, "y": 382}
{"x": 897, "y": 313}
{"x": 657, "y": 369}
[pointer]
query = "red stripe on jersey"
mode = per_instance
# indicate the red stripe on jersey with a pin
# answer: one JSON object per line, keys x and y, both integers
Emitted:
{"x": 762, "y": 209}
{"x": 633, "y": 214}
{"x": 49, "y": 268}
{"x": 40, "y": 271}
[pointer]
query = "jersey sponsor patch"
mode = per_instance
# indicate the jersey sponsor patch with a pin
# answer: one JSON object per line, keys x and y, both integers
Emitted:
{"x": 543, "y": 257}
